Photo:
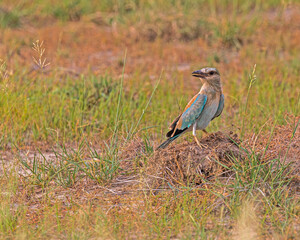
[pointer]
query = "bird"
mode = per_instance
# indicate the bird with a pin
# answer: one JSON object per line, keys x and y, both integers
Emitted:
{"x": 205, "y": 106}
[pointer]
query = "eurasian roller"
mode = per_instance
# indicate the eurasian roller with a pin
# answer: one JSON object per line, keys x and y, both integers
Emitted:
{"x": 202, "y": 108}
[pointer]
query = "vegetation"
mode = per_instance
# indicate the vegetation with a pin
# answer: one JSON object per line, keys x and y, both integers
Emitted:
{"x": 83, "y": 108}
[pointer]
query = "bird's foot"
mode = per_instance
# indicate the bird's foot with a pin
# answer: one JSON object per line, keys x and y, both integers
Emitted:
{"x": 205, "y": 132}
{"x": 199, "y": 144}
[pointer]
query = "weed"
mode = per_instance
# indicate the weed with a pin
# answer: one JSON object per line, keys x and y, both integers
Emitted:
{"x": 68, "y": 11}
{"x": 71, "y": 165}
{"x": 3, "y": 72}
{"x": 252, "y": 78}
{"x": 40, "y": 61}
{"x": 9, "y": 19}
{"x": 95, "y": 182}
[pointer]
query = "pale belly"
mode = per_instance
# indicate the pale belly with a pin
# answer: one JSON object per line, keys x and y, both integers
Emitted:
{"x": 207, "y": 114}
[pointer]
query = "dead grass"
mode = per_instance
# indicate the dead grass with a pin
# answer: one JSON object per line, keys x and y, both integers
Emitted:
{"x": 182, "y": 164}
{"x": 246, "y": 226}
{"x": 284, "y": 143}
{"x": 182, "y": 192}
{"x": 185, "y": 164}
{"x": 68, "y": 49}
{"x": 147, "y": 180}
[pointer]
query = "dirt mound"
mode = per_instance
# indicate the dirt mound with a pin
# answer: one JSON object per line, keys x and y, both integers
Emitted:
{"x": 185, "y": 163}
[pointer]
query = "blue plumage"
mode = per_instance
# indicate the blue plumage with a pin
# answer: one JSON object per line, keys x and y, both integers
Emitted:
{"x": 203, "y": 107}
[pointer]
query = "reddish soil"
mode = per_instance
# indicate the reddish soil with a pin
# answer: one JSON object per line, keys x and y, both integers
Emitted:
{"x": 86, "y": 46}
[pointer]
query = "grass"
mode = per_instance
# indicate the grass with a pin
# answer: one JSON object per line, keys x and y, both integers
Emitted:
{"x": 258, "y": 188}
{"x": 75, "y": 143}
{"x": 44, "y": 108}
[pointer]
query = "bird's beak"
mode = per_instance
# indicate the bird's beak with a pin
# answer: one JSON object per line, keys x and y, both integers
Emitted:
{"x": 198, "y": 73}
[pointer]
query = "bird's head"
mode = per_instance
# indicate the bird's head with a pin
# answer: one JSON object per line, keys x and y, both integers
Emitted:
{"x": 209, "y": 75}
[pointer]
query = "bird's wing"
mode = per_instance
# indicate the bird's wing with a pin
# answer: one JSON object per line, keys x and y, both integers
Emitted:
{"x": 173, "y": 124}
{"x": 191, "y": 112}
{"x": 220, "y": 108}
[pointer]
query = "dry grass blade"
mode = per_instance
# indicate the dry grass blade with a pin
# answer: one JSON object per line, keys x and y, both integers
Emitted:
{"x": 185, "y": 163}
{"x": 40, "y": 60}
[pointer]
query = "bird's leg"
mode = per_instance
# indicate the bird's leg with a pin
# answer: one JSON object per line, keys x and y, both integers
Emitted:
{"x": 196, "y": 139}
{"x": 205, "y": 132}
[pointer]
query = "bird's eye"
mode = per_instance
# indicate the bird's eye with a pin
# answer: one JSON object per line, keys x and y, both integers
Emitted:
{"x": 211, "y": 73}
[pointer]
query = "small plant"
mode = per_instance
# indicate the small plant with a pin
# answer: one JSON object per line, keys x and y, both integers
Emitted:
{"x": 71, "y": 165}
{"x": 8, "y": 217}
{"x": 3, "y": 76}
{"x": 40, "y": 60}
{"x": 68, "y": 10}
{"x": 102, "y": 167}
{"x": 9, "y": 19}
{"x": 3, "y": 71}
{"x": 251, "y": 79}
{"x": 257, "y": 178}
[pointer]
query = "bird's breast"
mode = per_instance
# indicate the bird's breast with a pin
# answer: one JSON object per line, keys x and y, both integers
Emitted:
{"x": 207, "y": 114}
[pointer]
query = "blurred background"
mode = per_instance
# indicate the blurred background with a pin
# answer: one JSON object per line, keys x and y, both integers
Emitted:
{"x": 85, "y": 43}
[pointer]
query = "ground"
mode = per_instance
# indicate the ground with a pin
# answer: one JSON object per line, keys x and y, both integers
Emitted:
{"x": 88, "y": 91}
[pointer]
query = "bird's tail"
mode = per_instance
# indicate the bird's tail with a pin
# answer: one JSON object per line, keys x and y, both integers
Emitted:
{"x": 167, "y": 142}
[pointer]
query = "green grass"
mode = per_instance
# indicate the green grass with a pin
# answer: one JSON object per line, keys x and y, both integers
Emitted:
{"x": 81, "y": 109}
{"x": 186, "y": 20}
{"x": 9, "y": 19}
{"x": 71, "y": 165}
{"x": 257, "y": 195}
{"x": 41, "y": 108}
{"x": 129, "y": 7}
{"x": 46, "y": 108}
{"x": 86, "y": 121}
